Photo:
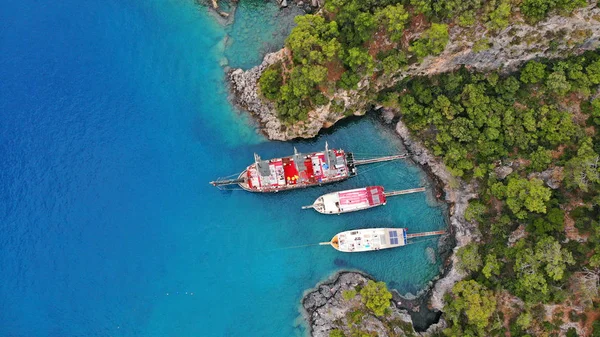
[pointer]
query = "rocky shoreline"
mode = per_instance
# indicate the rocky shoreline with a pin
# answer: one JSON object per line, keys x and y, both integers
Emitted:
{"x": 418, "y": 309}
{"x": 246, "y": 95}
{"x": 457, "y": 194}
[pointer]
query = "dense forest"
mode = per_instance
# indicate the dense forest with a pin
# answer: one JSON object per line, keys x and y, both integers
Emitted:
{"x": 349, "y": 40}
{"x": 528, "y": 140}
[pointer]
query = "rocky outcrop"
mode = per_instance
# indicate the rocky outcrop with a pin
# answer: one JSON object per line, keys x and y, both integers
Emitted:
{"x": 554, "y": 37}
{"x": 325, "y": 309}
{"x": 552, "y": 177}
{"x": 557, "y": 36}
{"x": 457, "y": 195}
{"x": 244, "y": 85}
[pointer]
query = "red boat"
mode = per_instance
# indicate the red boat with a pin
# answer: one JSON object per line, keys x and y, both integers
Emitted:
{"x": 299, "y": 170}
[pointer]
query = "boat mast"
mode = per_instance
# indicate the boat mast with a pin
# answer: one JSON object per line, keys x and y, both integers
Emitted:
{"x": 327, "y": 156}
{"x": 256, "y": 159}
{"x": 295, "y": 157}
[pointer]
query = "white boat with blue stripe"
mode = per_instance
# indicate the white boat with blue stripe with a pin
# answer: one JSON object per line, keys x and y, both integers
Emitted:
{"x": 363, "y": 240}
{"x": 370, "y": 239}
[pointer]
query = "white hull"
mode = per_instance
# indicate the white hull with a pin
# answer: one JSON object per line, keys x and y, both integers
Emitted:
{"x": 349, "y": 200}
{"x": 369, "y": 239}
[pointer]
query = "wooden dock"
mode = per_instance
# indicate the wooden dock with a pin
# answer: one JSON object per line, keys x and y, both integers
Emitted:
{"x": 409, "y": 191}
{"x": 379, "y": 159}
{"x": 418, "y": 235}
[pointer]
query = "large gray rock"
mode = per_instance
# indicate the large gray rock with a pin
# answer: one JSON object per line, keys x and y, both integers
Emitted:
{"x": 325, "y": 308}
{"x": 553, "y": 177}
{"x": 503, "y": 171}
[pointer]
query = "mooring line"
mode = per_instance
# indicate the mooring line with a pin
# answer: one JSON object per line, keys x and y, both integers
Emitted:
{"x": 294, "y": 247}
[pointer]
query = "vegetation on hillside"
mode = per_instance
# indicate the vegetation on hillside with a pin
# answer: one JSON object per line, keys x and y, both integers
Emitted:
{"x": 350, "y": 40}
{"x": 531, "y": 141}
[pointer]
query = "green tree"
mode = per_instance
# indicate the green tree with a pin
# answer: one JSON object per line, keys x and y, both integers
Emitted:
{"x": 421, "y": 6}
{"x": 583, "y": 170}
{"x": 349, "y": 294}
{"x": 474, "y": 301}
{"x": 524, "y": 320}
{"x": 469, "y": 258}
{"x": 572, "y": 332}
{"x": 540, "y": 159}
{"x": 530, "y": 195}
{"x": 593, "y": 72}
{"x": 376, "y": 297}
{"x": 557, "y": 83}
{"x": 313, "y": 40}
{"x": 359, "y": 60}
{"x": 364, "y": 24}
{"x": 270, "y": 82}
{"x": 492, "y": 266}
{"x": 475, "y": 210}
{"x": 549, "y": 251}
{"x": 533, "y": 72}
{"x": 336, "y": 333}
{"x": 595, "y": 105}
{"x": 432, "y": 41}
{"x": 499, "y": 18}
{"x": 596, "y": 328}
{"x": 531, "y": 282}
{"x": 536, "y": 10}
{"x": 394, "y": 18}
{"x": 553, "y": 222}
{"x": 393, "y": 63}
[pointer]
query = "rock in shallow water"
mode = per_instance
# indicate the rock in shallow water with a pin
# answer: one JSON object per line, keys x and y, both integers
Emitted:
{"x": 326, "y": 309}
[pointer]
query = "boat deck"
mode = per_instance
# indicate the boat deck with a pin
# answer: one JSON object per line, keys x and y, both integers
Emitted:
{"x": 350, "y": 200}
{"x": 296, "y": 171}
{"x": 362, "y": 240}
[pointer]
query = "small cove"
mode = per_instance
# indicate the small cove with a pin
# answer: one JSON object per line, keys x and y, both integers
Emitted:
{"x": 111, "y": 227}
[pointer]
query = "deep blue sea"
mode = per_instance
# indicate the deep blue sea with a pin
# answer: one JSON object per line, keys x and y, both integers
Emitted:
{"x": 114, "y": 115}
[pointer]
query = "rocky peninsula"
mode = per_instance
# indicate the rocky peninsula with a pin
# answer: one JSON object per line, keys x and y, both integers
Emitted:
{"x": 556, "y": 36}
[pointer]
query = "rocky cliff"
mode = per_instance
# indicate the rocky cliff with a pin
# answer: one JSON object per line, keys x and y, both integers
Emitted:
{"x": 557, "y": 36}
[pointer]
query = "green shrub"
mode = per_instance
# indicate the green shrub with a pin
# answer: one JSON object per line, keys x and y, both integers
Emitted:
{"x": 349, "y": 294}
{"x": 336, "y": 333}
{"x": 270, "y": 82}
{"x": 432, "y": 42}
{"x": 376, "y": 297}
{"x": 469, "y": 258}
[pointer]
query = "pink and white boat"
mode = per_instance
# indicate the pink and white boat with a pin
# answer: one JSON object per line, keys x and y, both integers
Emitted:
{"x": 355, "y": 200}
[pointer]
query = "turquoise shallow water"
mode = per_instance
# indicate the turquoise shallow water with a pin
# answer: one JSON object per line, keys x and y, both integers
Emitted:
{"x": 114, "y": 118}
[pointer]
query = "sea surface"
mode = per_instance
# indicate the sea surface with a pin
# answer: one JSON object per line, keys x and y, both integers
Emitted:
{"x": 114, "y": 115}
